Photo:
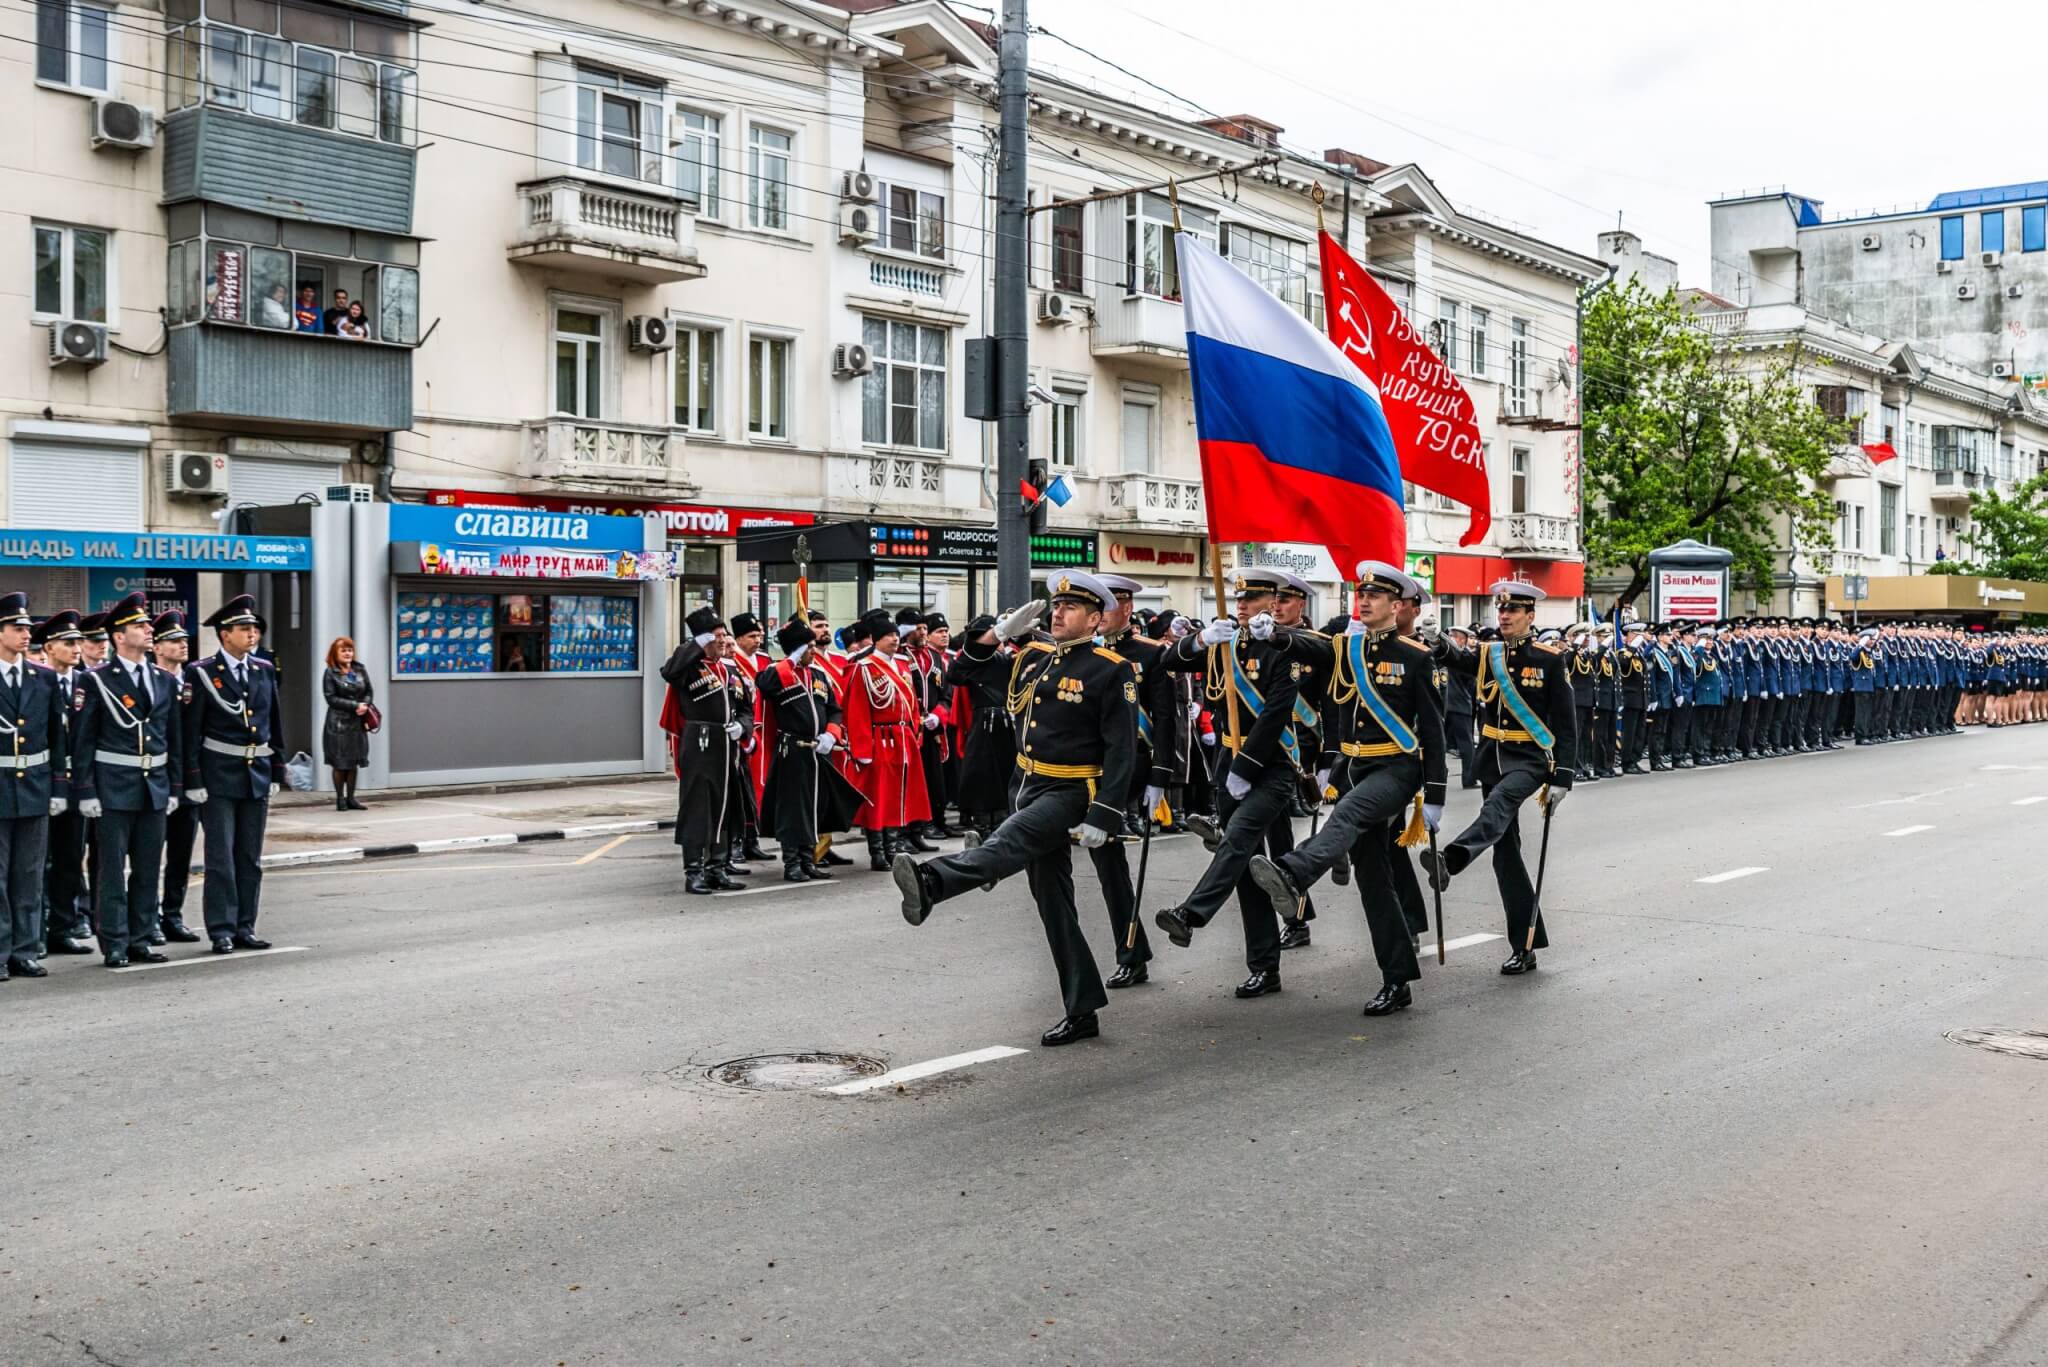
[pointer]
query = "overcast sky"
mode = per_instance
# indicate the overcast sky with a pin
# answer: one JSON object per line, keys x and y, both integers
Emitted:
{"x": 1557, "y": 115}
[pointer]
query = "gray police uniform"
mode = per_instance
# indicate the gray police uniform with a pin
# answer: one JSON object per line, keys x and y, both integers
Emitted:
{"x": 128, "y": 759}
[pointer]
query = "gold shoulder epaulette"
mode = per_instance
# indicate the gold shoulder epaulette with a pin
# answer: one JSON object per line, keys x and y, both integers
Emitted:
{"x": 1413, "y": 644}
{"x": 1035, "y": 645}
{"x": 1548, "y": 647}
{"x": 1106, "y": 653}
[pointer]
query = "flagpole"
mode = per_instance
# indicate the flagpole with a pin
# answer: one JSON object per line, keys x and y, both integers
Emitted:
{"x": 1215, "y": 547}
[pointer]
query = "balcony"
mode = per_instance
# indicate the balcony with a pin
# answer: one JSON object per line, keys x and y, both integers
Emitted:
{"x": 591, "y": 452}
{"x": 1154, "y": 501}
{"x": 1952, "y": 488}
{"x": 1141, "y": 330}
{"x": 285, "y": 169}
{"x": 1847, "y": 462}
{"x": 1533, "y": 534}
{"x": 583, "y": 227}
{"x": 245, "y": 377}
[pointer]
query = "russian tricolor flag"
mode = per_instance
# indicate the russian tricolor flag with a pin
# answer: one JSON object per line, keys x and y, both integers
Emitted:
{"x": 1294, "y": 444}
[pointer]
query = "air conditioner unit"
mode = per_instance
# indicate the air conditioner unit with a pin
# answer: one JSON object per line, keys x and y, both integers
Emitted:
{"x": 1966, "y": 291}
{"x": 2015, "y": 291}
{"x": 1871, "y": 242}
{"x": 196, "y": 474}
{"x": 1992, "y": 259}
{"x": 857, "y": 187}
{"x": 117, "y": 123}
{"x": 2002, "y": 370}
{"x": 351, "y": 493}
{"x": 851, "y": 358}
{"x": 1955, "y": 524}
{"x": 77, "y": 344}
{"x": 856, "y": 223}
{"x": 1944, "y": 267}
{"x": 649, "y": 332}
{"x": 1055, "y": 308}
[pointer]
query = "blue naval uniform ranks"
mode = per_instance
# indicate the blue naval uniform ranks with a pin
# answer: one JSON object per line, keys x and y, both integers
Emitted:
{"x": 34, "y": 762}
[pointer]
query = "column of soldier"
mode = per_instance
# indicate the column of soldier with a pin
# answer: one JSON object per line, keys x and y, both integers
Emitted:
{"x": 115, "y": 754}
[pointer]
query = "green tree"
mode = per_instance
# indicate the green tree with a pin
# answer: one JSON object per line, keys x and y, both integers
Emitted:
{"x": 1686, "y": 438}
{"x": 2009, "y": 535}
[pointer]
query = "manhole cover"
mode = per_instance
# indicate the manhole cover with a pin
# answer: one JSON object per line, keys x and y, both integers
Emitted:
{"x": 2021, "y": 1043}
{"x": 794, "y": 1072}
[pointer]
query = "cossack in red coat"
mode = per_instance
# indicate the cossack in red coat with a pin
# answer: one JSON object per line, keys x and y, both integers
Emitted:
{"x": 882, "y": 739}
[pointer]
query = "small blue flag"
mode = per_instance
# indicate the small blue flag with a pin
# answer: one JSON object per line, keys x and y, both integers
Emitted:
{"x": 1060, "y": 492}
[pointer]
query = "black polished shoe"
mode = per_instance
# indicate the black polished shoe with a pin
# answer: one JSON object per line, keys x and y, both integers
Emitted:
{"x": 145, "y": 955}
{"x": 1263, "y": 983}
{"x": 65, "y": 944}
{"x": 835, "y": 860}
{"x": 1391, "y": 998}
{"x": 1073, "y": 1028}
{"x": 1272, "y": 878}
{"x": 115, "y": 960}
{"x": 917, "y": 896}
{"x": 250, "y": 942}
{"x": 1521, "y": 961}
{"x": 722, "y": 881}
{"x": 1438, "y": 869}
{"x": 1294, "y": 935}
{"x": 1128, "y": 975}
{"x": 1587, "y": 778}
{"x": 223, "y": 945}
{"x": 1174, "y": 921}
{"x": 1205, "y": 826}
{"x": 752, "y": 850}
{"x": 25, "y": 968}
{"x": 176, "y": 929}
{"x": 794, "y": 872}
{"x": 913, "y": 839}
{"x": 814, "y": 873}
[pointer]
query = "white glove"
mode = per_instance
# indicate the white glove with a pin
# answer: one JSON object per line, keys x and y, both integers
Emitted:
{"x": 1322, "y": 781}
{"x": 1652, "y": 707}
{"x": 706, "y": 639}
{"x": 197, "y": 796}
{"x": 734, "y": 730}
{"x": 1154, "y": 795}
{"x": 1685, "y": 702}
{"x": 1090, "y": 837}
{"x": 827, "y": 743}
{"x": 1179, "y": 627}
{"x": 1555, "y": 799}
{"x": 1433, "y": 816}
{"x": 90, "y": 809}
{"x": 1209, "y": 738}
{"x": 1262, "y": 627}
{"x": 1218, "y": 631}
{"x": 276, "y": 786}
{"x": 1194, "y": 711}
{"x": 1357, "y": 627}
{"x": 170, "y": 806}
{"x": 1019, "y": 621}
{"x": 1237, "y": 787}
{"x": 59, "y": 806}
{"x": 931, "y": 721}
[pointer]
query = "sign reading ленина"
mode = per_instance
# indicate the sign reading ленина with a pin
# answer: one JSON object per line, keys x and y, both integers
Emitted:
{"x": 155, "y": 550}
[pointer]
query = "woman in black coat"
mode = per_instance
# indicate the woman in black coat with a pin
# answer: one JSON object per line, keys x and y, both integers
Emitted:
{"x": 346, "y": 737}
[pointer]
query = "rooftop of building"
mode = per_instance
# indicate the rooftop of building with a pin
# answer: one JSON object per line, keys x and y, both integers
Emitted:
{"x": 1807, "y": 210}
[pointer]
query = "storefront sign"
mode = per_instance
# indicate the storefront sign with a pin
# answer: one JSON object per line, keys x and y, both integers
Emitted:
{"x": 516, "y": 528}
{"x": 1690, "y": 595}
{"x": 168, "y": 590}
{"x": 1157, "y": 556}
{"x": 1312, "y": 563}
{"x": 1987, "y": 594}
{"x": 974, "y": 545}
{"x": 152, "y": 550}
{"x": 690, "y": 521}
{"x": 543, "y": 562}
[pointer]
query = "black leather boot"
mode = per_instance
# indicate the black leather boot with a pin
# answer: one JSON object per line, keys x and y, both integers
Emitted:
{"x": 695, "y": 882}
{"x": 878, "y": 850}
{"x": 793, "y": 868}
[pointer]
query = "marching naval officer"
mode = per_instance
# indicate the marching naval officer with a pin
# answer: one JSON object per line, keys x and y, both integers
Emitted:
{"x": 233, "y": 735}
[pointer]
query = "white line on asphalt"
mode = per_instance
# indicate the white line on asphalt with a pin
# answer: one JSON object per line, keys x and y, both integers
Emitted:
{"x": 1988, "y": 768}
{"x": 1909, "y": 830}
{"x": 1733, "y": 874}
{"x": 608, "y": 828}
{"x": 1906, "y": 801}
{"x": 777, "y": 886}
{"x": 214, "y": 958}
{"x": 914, "y": 1071}
{"x": 2029, "y": 801}
{"x": 1462, "y": 942}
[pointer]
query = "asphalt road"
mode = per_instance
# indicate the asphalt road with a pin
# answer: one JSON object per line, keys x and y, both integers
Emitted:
{"x": 469, "y": 1121}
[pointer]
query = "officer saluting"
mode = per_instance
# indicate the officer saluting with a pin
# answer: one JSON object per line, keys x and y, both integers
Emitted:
{"x": 33, "y": 787}
{"x": 1528, "y": 742}
{"x": 1076, "y": 710}
{"x": 126, "y": 775}
{"x": 233, "y": 733}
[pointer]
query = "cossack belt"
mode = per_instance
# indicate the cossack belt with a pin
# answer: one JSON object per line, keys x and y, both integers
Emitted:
{"x": 1376, "y": 750}
{"x": 1045, "y": 770}
{"x": 1492, "y": 732}
{"x": 35, "y": 759}
{"x": 143, "y": 762}
{"x": 222, "y": 747}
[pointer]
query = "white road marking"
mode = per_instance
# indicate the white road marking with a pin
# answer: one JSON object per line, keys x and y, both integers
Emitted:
{"x": 1462, "y": 942}
{"x": 214, "y": 958}
{"x": 602, "y": 850}
{"x": 914, "y": 1071}
{"x": 1905, "y": 801}
{"x": 2029, "y": 801}
{"x": 298, "y": 857}
{"x": 777, "y": 886}
{"x": 1909, "y": 830}
{"x": 1993, "y": 768}
{"x": 1732, "y": 875}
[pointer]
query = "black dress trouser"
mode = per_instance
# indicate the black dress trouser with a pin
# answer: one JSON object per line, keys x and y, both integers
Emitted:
{"x": 130, "y": 862}
{"x": 1362, "y": 824}
{"x": 1245, "y": 823}
{"x": 1498, "y": 827}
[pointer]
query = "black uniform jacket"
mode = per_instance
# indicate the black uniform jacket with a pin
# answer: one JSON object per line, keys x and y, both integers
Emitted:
{"x": 1076, "y": 707}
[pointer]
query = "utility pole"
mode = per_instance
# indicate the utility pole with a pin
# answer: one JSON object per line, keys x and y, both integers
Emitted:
{"x": 1013, "y": 299}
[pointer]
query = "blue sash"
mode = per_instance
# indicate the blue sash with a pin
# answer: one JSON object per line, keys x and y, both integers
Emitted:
{"x": 1398, "y": 731}
{"x": 1518, "y": 707}
{"x": 1255, "y": 704}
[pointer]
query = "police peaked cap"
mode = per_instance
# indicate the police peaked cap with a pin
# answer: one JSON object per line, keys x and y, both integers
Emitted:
{"x": 793, "y": 637}
{"x": 170, "y": 626}
{"x": 239, "y": 611}
{"x": 14, "y": 611}
{"x": 58, "y": 626}
{"x": 130, "y": 611}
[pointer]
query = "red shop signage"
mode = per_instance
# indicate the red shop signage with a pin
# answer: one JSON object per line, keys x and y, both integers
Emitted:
{"x": 703, "y": 520}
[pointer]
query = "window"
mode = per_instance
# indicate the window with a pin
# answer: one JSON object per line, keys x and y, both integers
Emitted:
{"x": 395, "y": 104}
{"x": 398, "y": 304}
{"x": 1845, "y": 404}
{"x": 579, "y": 363}
{"x": 769, "y": 152}
{"x": 72, "y": 45}
{"x": 1140, "y": 432}
{"x": 316, "y": 88}
{"x": 696, "y": 149}
{"x": 1991, "y": 230}
{"x": 1476, "y": 343}
{"x": 913, "y": 220}
{"x": 1856, "y": 513}
{"x": 696, "y": 404}
{"x": 1889, "y": 415}
{"x": 1278, "y": 264}
{"x": 1521, "y": 400}
{"x": 226, "y": 67}
{"x": 1518, "y": 479}
{"x": 2034, "y": 228}
{"x": 1069, "y": 257}
{"x": 71, "y": 268}
{"x": 252, "y": 63}
{"x": 768, "y": 388}
{"x": 1888, "y": 519}
{"x": 903, "y": 399}
{"x": 618, "y": 125}
{"x": 1952, "y": 238}
{"x": 357, "y": 112}
{"x": 1065, "y": 450}
{"x": 1447, "y": 332}
{"x": 270, "y": 75}
{"x": 1149, "y": 263}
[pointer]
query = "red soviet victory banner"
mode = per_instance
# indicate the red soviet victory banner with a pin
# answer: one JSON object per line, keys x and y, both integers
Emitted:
{"x": 1436, "y": 431}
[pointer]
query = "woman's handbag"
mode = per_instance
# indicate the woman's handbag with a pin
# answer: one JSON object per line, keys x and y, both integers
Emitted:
{"x": 372, "y": 718}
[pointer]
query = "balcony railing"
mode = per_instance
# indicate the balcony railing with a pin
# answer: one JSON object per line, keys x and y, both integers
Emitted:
{"x": 1141, "y": 328}
{"x": 569, "y": 224}
{"x": 605, "y": 452}
{"x": 239, "y": 376}
{"x": 909, "y": 279}
{"x": 1538, "y": 534}
{"x": 1153, "y": 499}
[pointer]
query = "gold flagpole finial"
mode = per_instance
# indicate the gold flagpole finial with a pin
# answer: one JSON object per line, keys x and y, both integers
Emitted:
{"x": 1318, "y": 194}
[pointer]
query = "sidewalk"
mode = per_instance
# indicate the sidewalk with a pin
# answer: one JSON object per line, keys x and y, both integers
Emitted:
{"x": 305, "y": 829}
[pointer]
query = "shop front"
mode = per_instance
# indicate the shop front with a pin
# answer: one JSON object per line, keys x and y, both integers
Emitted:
{"x": 1461, "y": 584}
{"x": 850, "y": 567}
{"x": 503, "y": 641}
{"x": 1961, "y": 598}
{"x": 1173, "y": 569}
{"x": 1310, "y": 562}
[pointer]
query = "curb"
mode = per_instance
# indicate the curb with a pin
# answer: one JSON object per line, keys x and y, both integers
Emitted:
{"x": 357, "y": 853}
